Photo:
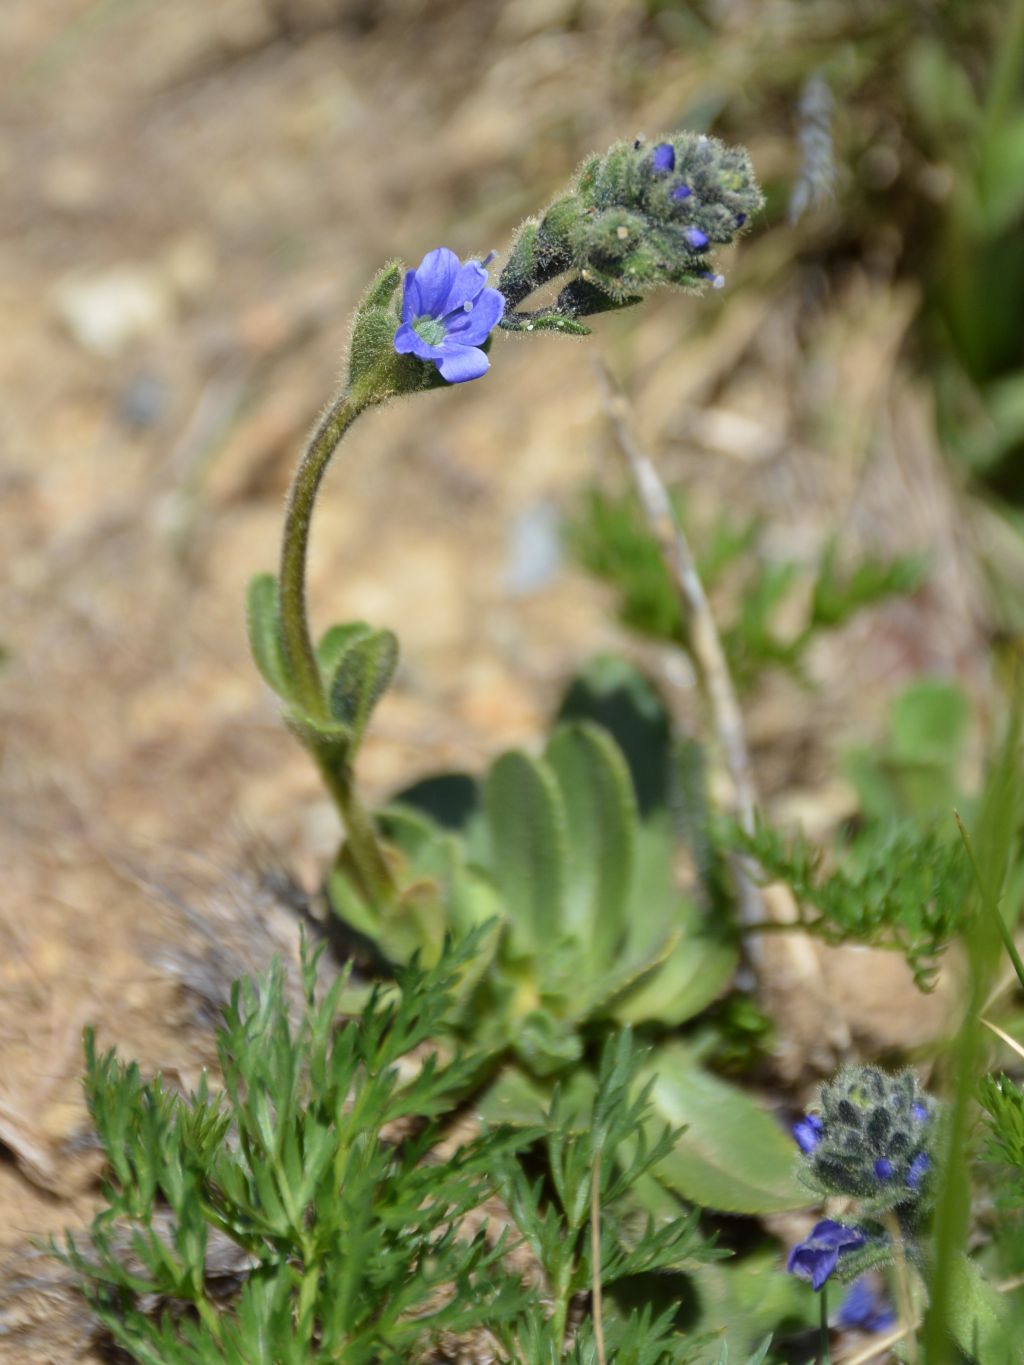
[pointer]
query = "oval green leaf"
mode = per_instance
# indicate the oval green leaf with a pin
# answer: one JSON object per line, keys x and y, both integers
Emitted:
{"x": 733, "y": 1156}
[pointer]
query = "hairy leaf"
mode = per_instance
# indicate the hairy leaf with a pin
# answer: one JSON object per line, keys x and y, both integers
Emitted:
{"x": 529, "y": 837}
{"x": 732, "y": 1156}
{"x": 265, "y": 632}
{"x": 601, "y": 816}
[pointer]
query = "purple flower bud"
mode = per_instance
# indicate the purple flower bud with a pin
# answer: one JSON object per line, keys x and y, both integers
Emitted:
{"x": 919, "y": 1111}
{"x": 696, "y": 238}
{"x": 716, "y": 281}
{"x": 883, "y": 1168}
{"x": 741, "y": 218}
{"x": 807, "y": 1133}
{"x": 919, "y": 1168}
{"x": 681, "y": 192}
{"x": 817, "y": 1257}
{"x": 663, "y": 158}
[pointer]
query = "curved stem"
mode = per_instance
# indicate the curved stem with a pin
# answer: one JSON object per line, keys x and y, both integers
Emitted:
{"x": 823, "y": 1332}
{"x": 297, "y": 641}
{"x": 299, "y": 653}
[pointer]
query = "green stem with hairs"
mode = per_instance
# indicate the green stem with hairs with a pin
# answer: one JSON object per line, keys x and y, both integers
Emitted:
{"x": 297, "y": 642}
{"x": 299, "y": 652}
{"x": 823, "y": 1333}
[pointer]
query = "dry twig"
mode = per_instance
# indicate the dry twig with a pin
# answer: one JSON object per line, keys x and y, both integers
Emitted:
{"x": 794, "y": 963}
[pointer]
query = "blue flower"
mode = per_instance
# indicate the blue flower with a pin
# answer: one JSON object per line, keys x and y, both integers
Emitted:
{"x": 864, "y": 1308}
{"x": 919, "y": 1168}
{"x": 663, "y": 158}
{"x": 919, "y": 1111}
{"x": 817, "y": 1257}
{"x": 447, "y": 314}
{"x": 807, "y": 1133}
{"x": 696, "y": 238}
{"x": 682, "y": 192}
{"x": 883, "y": 1168}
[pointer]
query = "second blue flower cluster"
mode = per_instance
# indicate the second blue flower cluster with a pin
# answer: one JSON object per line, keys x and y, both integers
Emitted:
{"x": 872, "y": 1137}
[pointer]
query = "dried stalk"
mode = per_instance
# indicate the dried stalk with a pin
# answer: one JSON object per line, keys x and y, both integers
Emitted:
{"x": 705, "y": 645}
{"x": 794, "y": 964}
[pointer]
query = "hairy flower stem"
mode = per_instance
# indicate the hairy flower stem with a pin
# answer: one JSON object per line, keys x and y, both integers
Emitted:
{"x": 299, "y": 653}
{"x": 297, "y": 642}
{"x": 375, "y": 876}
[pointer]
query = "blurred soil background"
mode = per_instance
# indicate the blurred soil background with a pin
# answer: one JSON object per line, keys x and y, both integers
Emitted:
{"x": 195, "y": 193}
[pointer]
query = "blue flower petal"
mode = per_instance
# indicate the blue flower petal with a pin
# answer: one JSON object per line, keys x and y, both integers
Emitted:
{"x": 919, "y": 1168}
{"x": 475, "y": 326}
{"x": 832, "y": 1234}
{"x": 865, "y": 1308}
{"x": 807, "y": 1133}
{"x": 458, "y": 364}
{"x": 812, "y": 1263}
{"x": 412, "y": 297}
{"x": 469, "y": 281}
{"x": 435, "y": 276}
{"x": 663, "y": 158}
{"x": 815, "y": 1258}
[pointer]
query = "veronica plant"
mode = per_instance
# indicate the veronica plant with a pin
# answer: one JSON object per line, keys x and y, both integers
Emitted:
{"x": 635, "y": 219}
{"x": 873, "y": 1141}
{"x": 586, "y": 921}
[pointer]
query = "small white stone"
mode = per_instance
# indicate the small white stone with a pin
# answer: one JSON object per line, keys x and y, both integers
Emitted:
{"x": 108, "y": 311}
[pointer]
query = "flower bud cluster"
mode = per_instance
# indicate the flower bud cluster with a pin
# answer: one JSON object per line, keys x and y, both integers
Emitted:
{"x": 638, "y": 217}
{"x": 872, "y": 1138}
